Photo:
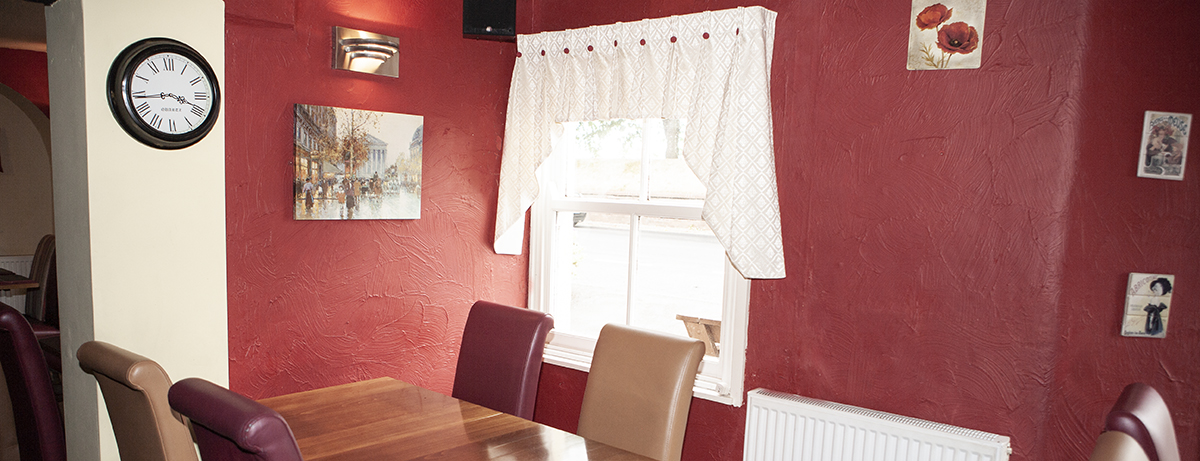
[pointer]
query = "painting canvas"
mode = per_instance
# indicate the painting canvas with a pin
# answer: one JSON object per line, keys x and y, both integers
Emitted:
{"x": 946, "y": 35}
{"x": 1164, "y": 145}
{"x": 1147, "y": 305}
{"x": 356, "y": 164}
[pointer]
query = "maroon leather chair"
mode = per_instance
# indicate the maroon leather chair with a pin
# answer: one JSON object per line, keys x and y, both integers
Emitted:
{"x": 500, "y": 359}
{"x": 229, "y": 426}
{"x": 1142, "y": 413}
{"x": 35, "y": 410}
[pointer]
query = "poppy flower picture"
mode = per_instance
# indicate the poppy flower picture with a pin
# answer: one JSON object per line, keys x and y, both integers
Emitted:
{"x": 946, "y": 35}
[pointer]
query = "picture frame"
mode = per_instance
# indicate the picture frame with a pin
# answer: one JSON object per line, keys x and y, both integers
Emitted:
{"x": 1163, "y": 152}
{"x": 946, "y": 34}
{"x": 353, "y": 164}
{"x": 1147, "y": 305}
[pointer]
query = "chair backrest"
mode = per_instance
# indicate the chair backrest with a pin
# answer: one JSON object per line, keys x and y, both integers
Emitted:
{"x": 35, "y": 410}
{"x": 9, "y": 451}
{"x": 1143, "y": 414}
{"x": 229, "y": 426}
{"x": 1117, "y": 446}
{"x": 41, "y": 304}
{"x": 135, "y": 392}
{"x": 500, "y": 359}
{"x": 639, "y": 391}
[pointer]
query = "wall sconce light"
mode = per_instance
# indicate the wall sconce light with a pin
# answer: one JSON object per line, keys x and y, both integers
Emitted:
{"x": 367, "y": 52}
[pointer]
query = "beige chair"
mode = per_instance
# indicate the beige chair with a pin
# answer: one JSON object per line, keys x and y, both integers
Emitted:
{"x": 639, "y": 391}
{"x": 135, "y": 392}
{"x": 1117, "y": 446}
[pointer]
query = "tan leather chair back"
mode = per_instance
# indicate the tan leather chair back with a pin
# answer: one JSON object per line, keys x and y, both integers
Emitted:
{"x": 639, "y": 391}
{"x": 1117, "y": 446}
{"x": 135, "y": 392}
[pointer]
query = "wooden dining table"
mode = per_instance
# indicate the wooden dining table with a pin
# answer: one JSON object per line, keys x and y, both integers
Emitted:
{"x": 388, "y": 419}
{"x": 12, "y": 281}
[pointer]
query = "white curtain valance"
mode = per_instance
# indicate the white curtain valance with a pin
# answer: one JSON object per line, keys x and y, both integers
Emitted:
{"x": 712, "y": 69}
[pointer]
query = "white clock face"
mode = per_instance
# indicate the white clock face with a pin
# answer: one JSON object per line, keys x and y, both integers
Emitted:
{"x": 171, "y": 93}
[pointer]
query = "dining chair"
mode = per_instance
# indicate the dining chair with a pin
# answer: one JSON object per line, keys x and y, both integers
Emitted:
{"x": 1143, "y": 414}
{"x": 41, "y": 303}
{"x": 135, "y": 393}
{"x": 230, "y": 426}
{"x": 639, "y": 391}
{"x": 500, "y": 359}
{"x": 1117, "y": 446}
{"x": 39, "y": 427}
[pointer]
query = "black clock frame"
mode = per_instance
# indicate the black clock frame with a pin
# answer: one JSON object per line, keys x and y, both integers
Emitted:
{"x": 120, "y": 98}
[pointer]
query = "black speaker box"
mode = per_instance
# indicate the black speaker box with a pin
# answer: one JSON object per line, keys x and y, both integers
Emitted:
{"x": 490, "y": 19}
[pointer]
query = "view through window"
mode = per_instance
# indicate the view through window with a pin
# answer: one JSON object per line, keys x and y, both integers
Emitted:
{"x": 622, "y": 241}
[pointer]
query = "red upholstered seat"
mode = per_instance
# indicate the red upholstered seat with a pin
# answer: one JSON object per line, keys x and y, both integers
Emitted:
{"x": 35, "y": 410}
{"x": 230, "y": 426}
{"x": 1142, "y": 413}
{"x": 500, "y": 359}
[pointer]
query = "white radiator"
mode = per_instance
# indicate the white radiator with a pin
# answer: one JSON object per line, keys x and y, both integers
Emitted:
{"x": 789, "y": 427}
{"x": 20, "y": 265}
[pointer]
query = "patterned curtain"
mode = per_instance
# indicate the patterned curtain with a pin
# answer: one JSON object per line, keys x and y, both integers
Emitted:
{"x": 712, "y": 69}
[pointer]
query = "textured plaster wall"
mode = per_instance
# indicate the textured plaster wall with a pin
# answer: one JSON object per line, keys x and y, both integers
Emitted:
{"x": 958, "y": 241}
{"x": 315, "y": 303}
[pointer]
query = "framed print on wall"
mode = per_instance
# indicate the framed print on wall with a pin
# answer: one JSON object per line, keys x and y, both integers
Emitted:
{"x": 946, "y": 34}
{"x": 1164, "y": 145}
{"x": 1147, "y": 305}
{"x": 356, "y": 164}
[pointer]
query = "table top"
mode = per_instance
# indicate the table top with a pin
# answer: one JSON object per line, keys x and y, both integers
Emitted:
{"x": 388, "y": 419}
{"x": 11, "y": 281}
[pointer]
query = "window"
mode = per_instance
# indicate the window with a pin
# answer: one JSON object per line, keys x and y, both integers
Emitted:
{"x": 617, "y": 238}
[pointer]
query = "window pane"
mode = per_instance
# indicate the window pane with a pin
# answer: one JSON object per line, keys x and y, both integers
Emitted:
{"x": 670, "y": 176}
{"x": 604, "y": 158}
{"x": 680, "y": 271}
{"x": 593, "y": 270}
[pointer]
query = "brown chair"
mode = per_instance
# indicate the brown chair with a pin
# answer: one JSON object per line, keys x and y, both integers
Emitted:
{"x": 1117, "y": 446}
{"x": 41, "y": 303}
{"x": 135, "y": 392}
{"x": 1143, "y": 414}
{"x": 230, "y": 426}
{"x": 639, "y": 391}
{"x": 39, "y": 426}
{"x": 500, "y": 359}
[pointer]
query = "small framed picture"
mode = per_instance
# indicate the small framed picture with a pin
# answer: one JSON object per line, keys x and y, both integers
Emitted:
{"x": 1147, "y": 305}
{"x": 1164, "y": 145}
{"x": 946, "y": 34}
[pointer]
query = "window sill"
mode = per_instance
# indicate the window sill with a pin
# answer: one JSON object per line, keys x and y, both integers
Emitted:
{"x": 705, "y": 388}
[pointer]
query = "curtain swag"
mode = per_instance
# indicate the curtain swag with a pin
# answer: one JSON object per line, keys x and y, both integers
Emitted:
{"x": 712, "y": 69}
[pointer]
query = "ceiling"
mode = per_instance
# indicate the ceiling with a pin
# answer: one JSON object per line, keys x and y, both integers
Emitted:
{"x": 22, "y": 25}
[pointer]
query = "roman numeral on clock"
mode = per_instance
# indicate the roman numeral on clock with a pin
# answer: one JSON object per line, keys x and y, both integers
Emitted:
{"x": 200, "y": 96}
{"x": 168, "y": 64}
{"x": 143, "y": 109}
{"x": 198, "y": 111}
{"x": 171, "y": 125}
{"x": 156, "y": 121}
{"x": 153, "y": 67}
{"x": 195, "y": 80}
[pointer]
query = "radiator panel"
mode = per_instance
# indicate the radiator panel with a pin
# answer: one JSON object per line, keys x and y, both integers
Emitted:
{"x": 789, "y": 427}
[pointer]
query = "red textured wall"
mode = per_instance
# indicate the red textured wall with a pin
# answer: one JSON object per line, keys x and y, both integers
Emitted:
{"x": 957, "y": 241}
{"x": 26, "y": 73}
{"x": 317, "y": 303}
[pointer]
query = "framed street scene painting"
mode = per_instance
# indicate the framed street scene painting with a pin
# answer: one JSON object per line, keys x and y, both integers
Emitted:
{"x": 1164, "y": 145}
{"x": 1147, "y": 305}
{"x": 356, "y": 164}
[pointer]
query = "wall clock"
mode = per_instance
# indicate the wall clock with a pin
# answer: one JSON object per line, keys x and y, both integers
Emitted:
{"x": 163, "y": 93}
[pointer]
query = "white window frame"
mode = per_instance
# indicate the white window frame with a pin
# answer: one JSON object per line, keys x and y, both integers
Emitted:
{"x": 720, "y": 379}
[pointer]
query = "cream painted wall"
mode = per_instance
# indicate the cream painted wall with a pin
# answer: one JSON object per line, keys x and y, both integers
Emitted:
{"x": 141, "y": 231}
{"x": 27, "y": 212}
